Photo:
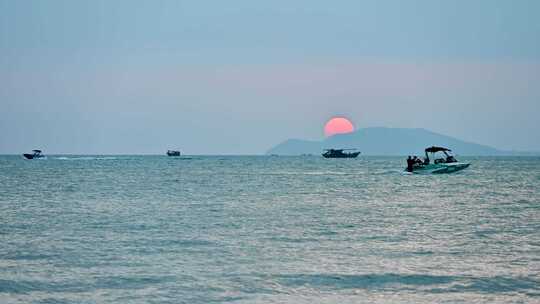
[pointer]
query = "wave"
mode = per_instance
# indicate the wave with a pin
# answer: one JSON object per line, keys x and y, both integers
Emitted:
{"x": 391, "y": 172}
{"x": 440, "y": 283}
{"x": 87, "y": 158}
{"x": 109, "y": 282}
{"x": 322, "y": 173}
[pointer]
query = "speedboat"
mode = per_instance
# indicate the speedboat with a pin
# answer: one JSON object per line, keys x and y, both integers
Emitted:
{"x": 338, "y": 153}
{"x": 446, "y": 164}
{"x": 33, "y": 155}
{"x": 173, "y": 153}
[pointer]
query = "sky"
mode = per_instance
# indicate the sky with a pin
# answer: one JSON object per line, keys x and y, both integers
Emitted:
{"x": 238, "y": 77}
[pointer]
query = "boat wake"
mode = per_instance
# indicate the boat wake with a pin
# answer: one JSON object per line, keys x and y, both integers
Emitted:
{"x": 87, "y": 158}
{"x": 388, "y": 172}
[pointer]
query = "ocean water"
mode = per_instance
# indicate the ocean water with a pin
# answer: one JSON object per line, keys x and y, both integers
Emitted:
{"x": 257, "y": 229}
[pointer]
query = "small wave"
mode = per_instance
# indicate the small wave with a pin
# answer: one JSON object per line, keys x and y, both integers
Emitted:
{"x": 391, "y": 172}
{"x": 367, "y": 281}
{"x": 28, "y": 256}
{"x": 315, "y": 173}
{"x": 22, "y": 287}
{"x": 293, "y": 240}
{"x": 496, "y": 284}
{"x": 87, "y": 158}
{"x": 132, "y": 282}
{"x": 109, "y": 282}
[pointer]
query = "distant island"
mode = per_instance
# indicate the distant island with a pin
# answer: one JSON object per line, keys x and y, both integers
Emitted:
{"x": 388, "y": 141}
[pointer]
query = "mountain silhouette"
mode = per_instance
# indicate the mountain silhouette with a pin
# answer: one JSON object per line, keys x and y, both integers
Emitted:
{"x": 385, "y": 141}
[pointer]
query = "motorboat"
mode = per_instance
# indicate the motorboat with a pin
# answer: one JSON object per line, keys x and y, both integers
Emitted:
{"x": 339, "y": 153}
{"x": 34, "y": 155}
{"x": 443, "y": 162}
{"x": 173, "y": 153}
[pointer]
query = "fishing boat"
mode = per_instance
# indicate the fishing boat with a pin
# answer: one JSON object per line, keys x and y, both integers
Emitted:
{"x": 441, "y": 164}
{"x": 34, "y": 155}
{"x": 173, "y": 153}
{"x": 338, "y": 153}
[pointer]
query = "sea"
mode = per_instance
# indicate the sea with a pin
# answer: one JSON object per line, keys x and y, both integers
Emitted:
{"x": 267, "y": 229}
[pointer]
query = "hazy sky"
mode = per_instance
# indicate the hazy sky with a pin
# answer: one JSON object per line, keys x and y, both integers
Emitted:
{"x": 240, "y": 76}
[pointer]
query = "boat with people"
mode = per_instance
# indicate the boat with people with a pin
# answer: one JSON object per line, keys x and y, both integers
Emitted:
{"x": 443, "y": 162}
{"x": 34, "y": 155}
{"x": 173, "y": 153}
{"x": 339, "y": 153}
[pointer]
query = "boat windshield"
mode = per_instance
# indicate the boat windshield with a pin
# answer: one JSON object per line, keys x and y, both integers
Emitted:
{"x": 443, "y": 157}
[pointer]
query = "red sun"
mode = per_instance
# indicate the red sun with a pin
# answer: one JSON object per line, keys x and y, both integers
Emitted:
{"x": 338, "y": 125}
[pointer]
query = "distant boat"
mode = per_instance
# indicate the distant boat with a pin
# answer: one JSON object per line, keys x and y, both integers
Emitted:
{"x": 173, "y": 153}
{"x": 34, "y": 154}
{"x": 446, "y": 164}
{"x": 338, "y": 153}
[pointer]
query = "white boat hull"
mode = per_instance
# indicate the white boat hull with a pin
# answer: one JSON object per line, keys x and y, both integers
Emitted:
{"x": 441, "y": 168}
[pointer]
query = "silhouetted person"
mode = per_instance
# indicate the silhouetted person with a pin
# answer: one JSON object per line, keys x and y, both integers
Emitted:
{"x": 410, "y": 163}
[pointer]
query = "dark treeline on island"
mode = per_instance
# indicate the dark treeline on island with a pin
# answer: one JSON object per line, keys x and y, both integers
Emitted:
{"x": 388, "y": 141}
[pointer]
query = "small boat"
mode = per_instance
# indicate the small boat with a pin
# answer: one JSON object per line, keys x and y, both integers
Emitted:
{"x": 338, "y": 153}
{"x": 173, "y": 153}
{"x": 33, "y": 155}
{"x": 446, "y": 164}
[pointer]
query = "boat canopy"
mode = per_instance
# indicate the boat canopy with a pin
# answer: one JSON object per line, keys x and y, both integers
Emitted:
{"x": 37, "y": 151}
{"x": 434, "y": 149}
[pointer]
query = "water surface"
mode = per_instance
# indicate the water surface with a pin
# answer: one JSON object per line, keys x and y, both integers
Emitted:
{"x": 254, "y": 229}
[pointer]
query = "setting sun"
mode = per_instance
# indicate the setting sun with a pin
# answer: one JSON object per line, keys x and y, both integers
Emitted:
{"x": 338, "y": 125}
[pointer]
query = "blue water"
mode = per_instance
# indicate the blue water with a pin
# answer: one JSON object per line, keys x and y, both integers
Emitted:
{"x": 152, "y": 229}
